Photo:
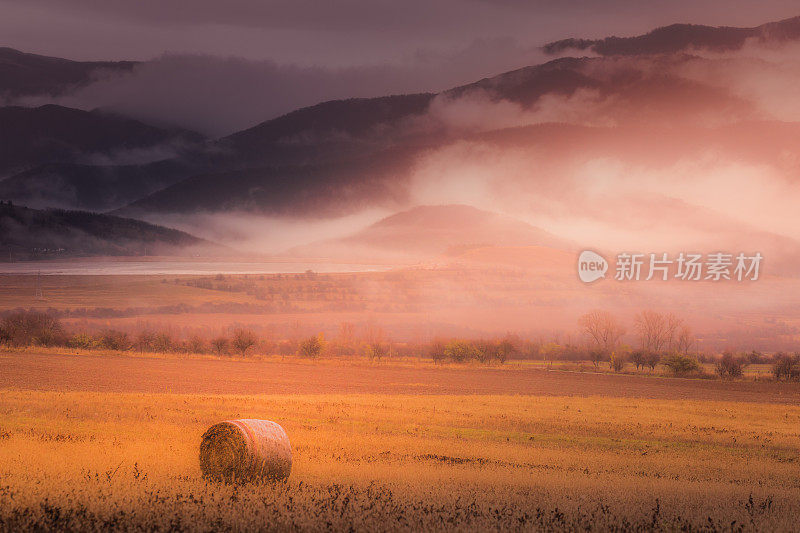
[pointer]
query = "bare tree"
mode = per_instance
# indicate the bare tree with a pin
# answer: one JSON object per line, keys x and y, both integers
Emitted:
{"x": 220, "y": 345}
{"x": 347, "y": 336}
{"x": 657, "y": 332}
{"x": 685, "y": 340}
{"x": 639, "y": 358}
{"x": 603, "y": 330}
{"x": 243, "y": 340}
{"x": 375, "y": 344}
{"x": 673, "y": 326}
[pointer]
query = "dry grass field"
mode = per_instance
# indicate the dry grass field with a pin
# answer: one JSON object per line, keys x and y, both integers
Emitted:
{"x": 394, "y": 447}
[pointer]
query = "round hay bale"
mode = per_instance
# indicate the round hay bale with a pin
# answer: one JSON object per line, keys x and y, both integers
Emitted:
{"x": 245, "y": 450}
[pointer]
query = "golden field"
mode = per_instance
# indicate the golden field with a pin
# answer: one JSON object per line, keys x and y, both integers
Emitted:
{"x": 559, "y": 457}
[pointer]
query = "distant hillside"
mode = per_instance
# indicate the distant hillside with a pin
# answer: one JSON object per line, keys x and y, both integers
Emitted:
{"x": 315, "y": 190}
{"x": 24, "y": 74}
{"x": 338, "y": 157}
{"x": 562, "y": 76}
{"x": 679, "y": 37}
{"x": 329, "y": 121}
{"x": 91, "y": 187}
{"x": 433, "y": 230}
{"x": 31, "y": 137}
{"x": 29, "y": 233}
{"x": 332, "y": 152}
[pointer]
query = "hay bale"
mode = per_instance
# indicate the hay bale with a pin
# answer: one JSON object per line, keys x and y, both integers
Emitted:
{"x": 245, "y": 450}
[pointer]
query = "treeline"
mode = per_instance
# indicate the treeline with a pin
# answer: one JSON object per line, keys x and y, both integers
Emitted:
{"x": 483, "y": 351}
{"x": 665, "y": 339}
{"x": 232, "y": 308}
{"x": 36, "y": 328}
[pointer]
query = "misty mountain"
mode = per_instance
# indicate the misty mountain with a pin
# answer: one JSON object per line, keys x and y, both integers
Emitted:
{"x": 29, "y": 233}
{"x": 343, "y": 156}
{"x": 329, "y": 122}
{"x": 432, "y": 230}
{"x": 358, "y": 152}
{"x": 562, "y": 76}
{"x": 53, "y": 156}
{"x": 91, "y": 187}
{"x": 680, "y": 37}
{"x": 296, "y": 163}
{"x": 31, "y": 137}
{"x": 323, "y": 189}
{"x": 23, "y": 74}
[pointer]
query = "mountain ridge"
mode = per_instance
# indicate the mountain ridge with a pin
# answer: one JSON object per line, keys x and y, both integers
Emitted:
{"x": 26, "y": 74}
{"x": 677, "y": 37}
{"x": 32, "y": 233}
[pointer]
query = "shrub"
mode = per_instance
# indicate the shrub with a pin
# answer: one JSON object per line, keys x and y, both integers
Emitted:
{"x": 617, "y": 361}
{"x": 756, "y": 358}
{"x": 112, "y": 339}
{"x": 377, "y": 350}
{"x": 219, "y": 345}
{"x": 484, "y": 350}
{"x": 436, "y": 351}
{"x": 195, "y": 345}
{"x": 730, "y": 366}
{"x": 786, "y": 367}
{"x": 24, "y": 328}
{"x": 162, "y": 343}
{"x": 504, "y": 350}
{"x": 82, "y": 341}
{"x": 639, "y": 358}
{"x": 487, "y": 351}
{"x": 652, "y": 359}
{"x": 596, "y": 356}
{"x": 681, "y": 365}
{"x": 243, "y": 340}
{"x": 311, "y": 347}
{"x": 144, "y": 341}
{"x": 461, "y": 351}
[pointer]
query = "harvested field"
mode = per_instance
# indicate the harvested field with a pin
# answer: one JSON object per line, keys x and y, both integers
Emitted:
{"x": 382, "y": 462}
{"x": 220, "y": 376}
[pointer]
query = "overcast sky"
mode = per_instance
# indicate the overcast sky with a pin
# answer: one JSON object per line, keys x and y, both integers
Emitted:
{"x": 343, "y": 32}
{"x": 223, "y": 65}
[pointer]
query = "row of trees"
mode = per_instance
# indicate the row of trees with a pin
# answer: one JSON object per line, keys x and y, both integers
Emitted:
{"x": 34, "y": 328}
{"x": 655, "y": 332}
{"x": 26, "y": 328}
{"x": 462, "y": 350}
{"x": 663, "y": 339}
{"x": 666, "y": 339}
